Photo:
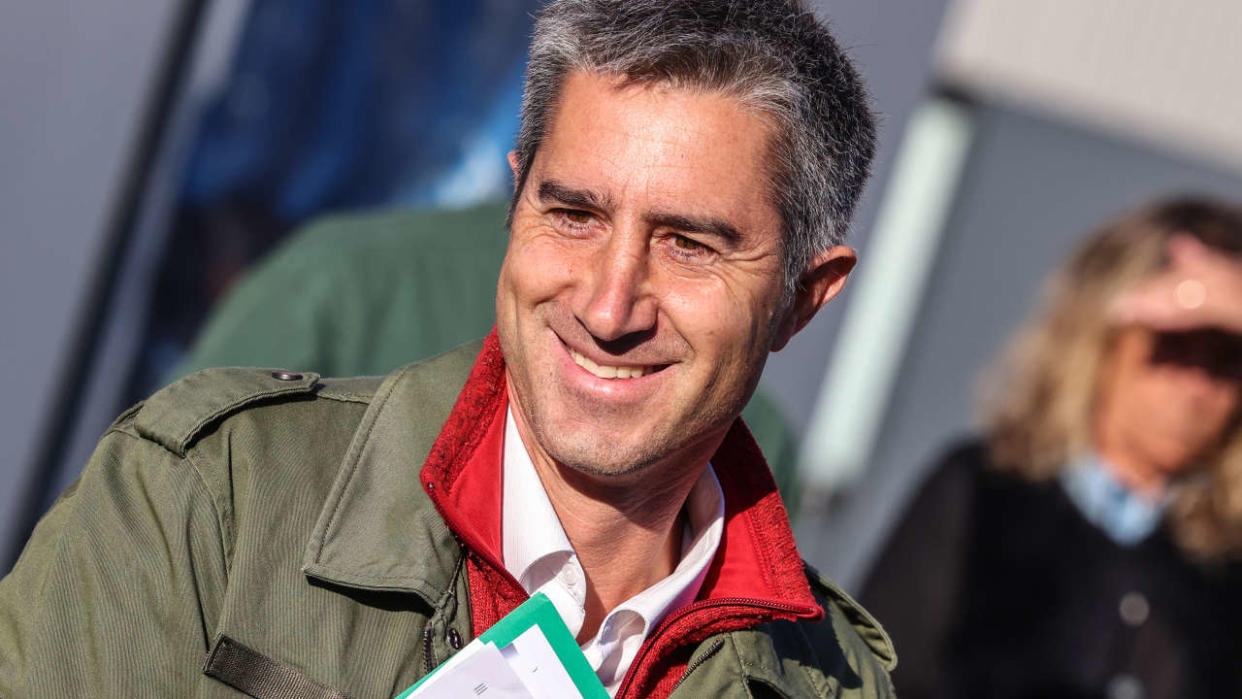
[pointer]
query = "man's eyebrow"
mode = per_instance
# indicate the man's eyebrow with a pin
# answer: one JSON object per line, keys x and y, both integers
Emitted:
{"x": 710, "y": 226}
{"x": 553, "y": 191}
{"x": 556, "y": 192}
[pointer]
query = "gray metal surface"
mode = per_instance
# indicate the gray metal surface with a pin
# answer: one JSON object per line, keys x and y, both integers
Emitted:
{"x": 73, "y": 75}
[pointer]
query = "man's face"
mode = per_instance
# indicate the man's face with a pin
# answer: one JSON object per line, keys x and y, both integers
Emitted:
{"x": 642, "y": 285}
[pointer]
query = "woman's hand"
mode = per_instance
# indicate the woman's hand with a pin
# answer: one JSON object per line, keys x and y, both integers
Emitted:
{"x": 1201, "y": 288}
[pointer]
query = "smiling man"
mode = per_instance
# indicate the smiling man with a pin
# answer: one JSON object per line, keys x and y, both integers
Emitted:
{"x": 684, "y": 176}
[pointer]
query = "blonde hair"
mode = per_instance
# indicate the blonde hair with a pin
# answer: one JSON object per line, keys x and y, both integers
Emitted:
{"x": 1040, "y": 396}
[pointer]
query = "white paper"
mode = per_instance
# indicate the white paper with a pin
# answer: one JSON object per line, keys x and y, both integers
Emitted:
{"x": 479, "y": 670}
{"x": 537, "y": 666}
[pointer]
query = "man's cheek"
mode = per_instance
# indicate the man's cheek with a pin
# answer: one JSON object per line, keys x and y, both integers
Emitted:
{"x": 713, "y": 318}
{"x": 546, "y": 264}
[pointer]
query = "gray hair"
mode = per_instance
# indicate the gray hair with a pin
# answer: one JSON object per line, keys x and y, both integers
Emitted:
{"x": 772, "y": 55}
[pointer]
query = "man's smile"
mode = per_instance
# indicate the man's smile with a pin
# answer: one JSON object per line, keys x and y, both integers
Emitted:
{"x": 610, "y": 371}
{"x": 606, "y": 371}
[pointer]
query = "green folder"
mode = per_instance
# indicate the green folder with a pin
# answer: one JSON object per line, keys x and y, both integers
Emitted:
{"x": 539, "y": 611}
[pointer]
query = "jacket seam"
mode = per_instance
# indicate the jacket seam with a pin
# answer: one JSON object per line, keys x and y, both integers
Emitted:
{"x": 184, "y": 440}
{"x": 201, "y": 484}
{"x": 224, "y": 529}
{"x": 346, "y": 397}
{"x": 378, "y": 578}
{"x": 125, "y": 417}
{"x": 225, "y": 548}
{"x": 221, "y": 525}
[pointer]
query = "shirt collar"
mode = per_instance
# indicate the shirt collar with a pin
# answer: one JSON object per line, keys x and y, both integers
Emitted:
{"x": 536, "y": 551}
{"x": 704, "y": 525}
{"x": 535, "y": 544}
{"x": 1125, "y": 516}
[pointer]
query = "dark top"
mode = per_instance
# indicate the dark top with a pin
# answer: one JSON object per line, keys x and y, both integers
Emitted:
{"x": 996, "y": 586}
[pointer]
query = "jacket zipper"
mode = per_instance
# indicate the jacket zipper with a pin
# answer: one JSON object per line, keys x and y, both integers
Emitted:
{"x": 644, "y": 650}
{"x": 699, "y": 661}
{"x": 429, "y": 661}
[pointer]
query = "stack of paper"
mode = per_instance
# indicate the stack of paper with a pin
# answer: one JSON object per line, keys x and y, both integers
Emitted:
{"x": 529, "y": 654}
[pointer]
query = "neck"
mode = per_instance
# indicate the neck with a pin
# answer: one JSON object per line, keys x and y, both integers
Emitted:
{"x": 627, "y": 532}
{"x": 1135, "y": 470}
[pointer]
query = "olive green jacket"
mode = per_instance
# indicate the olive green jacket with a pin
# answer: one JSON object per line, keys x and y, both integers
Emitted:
{"x": 246, "y": 532}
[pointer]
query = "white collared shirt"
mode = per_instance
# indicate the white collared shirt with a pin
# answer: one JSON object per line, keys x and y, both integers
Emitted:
{"x": 538, "y": 554}
{"x": 1127, "y": 517}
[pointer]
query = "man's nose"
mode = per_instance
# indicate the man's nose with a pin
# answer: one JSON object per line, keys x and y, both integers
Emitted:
{"x": 616, "y": 297}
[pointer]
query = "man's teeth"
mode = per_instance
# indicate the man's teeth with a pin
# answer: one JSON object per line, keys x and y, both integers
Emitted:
{"x": 608, "y": 372}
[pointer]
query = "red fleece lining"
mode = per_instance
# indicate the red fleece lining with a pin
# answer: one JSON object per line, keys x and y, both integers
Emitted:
{"x": 478, "y": 498}
{"x": 471, "y": 512}
{"x": 472, "y": 439}
{"x": 756, "y": 577}
{"x": 756, "y": 519}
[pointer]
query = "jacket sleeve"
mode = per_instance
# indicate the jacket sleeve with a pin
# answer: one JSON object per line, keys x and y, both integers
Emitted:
{"x": 117, "y": 592}
{"x": 915, "y": 586}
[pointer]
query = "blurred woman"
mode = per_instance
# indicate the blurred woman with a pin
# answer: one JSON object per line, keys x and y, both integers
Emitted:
{"x": 1088, "y": 544}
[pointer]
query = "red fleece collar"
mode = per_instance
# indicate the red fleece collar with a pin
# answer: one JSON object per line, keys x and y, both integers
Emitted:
{"x": 757, "y": 575}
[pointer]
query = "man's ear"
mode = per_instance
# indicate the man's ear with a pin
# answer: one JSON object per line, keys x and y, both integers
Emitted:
{"x": 513, "y": 165}
{"x": 823, "y": 279}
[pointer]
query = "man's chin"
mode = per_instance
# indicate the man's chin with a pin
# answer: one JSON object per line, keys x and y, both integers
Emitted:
{"x": 604, "y": 460}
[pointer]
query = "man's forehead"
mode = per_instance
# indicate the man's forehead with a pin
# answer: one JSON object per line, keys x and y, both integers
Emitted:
{"x": 597, "y": 83}
{"x": 675, "y": 147}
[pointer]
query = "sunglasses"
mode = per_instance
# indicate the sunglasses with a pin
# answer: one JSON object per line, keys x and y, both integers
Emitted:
{"x": 1216, "y": 352}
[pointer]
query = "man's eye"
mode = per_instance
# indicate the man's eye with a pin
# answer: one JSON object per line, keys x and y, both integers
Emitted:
{"x": 691, "y": 245}
{"x": 576, "y": 218}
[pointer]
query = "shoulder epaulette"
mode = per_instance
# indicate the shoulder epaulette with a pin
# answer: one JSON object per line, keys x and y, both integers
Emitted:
{"x": 176, "y": 415}
{"x": 868, "y": 629}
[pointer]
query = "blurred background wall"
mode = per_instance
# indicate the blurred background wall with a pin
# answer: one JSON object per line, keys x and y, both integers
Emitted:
{"x": 153, "y": 150}
{"x": 75, "y": 77}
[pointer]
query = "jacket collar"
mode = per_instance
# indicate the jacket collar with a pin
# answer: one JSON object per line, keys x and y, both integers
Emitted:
{"x": 377, "y": 529}
{"x": 380, "y": 530}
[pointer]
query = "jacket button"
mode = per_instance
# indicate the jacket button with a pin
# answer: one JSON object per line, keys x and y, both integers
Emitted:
{"x": 1125, "y": 687}
{"x": 1134, "y": 609}
{"x": 454, "y": 639}
{"x": 286, "y": 375}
